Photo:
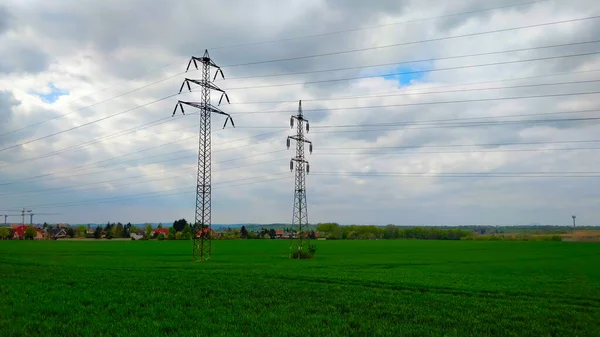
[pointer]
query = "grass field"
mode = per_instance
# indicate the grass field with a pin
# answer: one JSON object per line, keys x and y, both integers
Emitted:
{"x": 367, "y": 288}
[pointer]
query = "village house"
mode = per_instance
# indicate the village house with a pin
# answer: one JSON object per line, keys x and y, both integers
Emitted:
{"x": 57, "y": 233}
{"x": 19, "y": 233}
{"x": 139, "y": 235}
{"x": 157, "y": 231}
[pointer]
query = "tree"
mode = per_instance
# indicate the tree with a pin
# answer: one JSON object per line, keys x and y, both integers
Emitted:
{"x": 133, "y": 229}
{"x": 159, "y": 225}
{"x": 148, "y": 232}
{"x": 243, "y": 232}
{"x": 80, "y": 231}
{"x": 178, "y": 236}
{"x": 119, "y": 230}
{"x": 70, "y": 232}
{"x": 332, "y": 230}
{"x": 30, "y": 233}
{"x": 187, "y": 232}
{"x": 172, "y": 233}
{"x": 180, "y": 224}
{"x": 390, "y": 232}
{"x": 161, "y": 237}
{"x": 98, "y": 232}
{"x": 4, "y": 233}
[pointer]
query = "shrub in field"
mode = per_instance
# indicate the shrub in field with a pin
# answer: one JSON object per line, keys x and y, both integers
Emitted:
{"x": 305, "y": 254}
{"x": 161, "y": 237}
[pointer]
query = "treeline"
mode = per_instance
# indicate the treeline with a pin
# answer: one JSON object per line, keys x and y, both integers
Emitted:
{"x": 333, "y": 231}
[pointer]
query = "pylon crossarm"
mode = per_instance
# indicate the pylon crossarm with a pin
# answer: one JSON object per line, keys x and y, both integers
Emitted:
{"x": 300, "y": 139}
{"x": 209, "y": 85}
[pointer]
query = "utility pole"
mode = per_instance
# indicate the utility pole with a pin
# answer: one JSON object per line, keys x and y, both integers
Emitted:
{"x": 573, "y": 226}
{"x": 300, "y": 213}
{"x": 23, "y": 216}
{"x": 202, "y": 229}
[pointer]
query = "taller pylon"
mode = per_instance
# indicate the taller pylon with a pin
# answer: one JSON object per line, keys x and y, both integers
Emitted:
{"x": 300, "y": 213}
{"x": 202, "y": 228}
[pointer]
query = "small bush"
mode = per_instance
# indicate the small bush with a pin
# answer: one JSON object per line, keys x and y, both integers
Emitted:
{"x": 305, "y": 254}
{"x": 160, "y": 237}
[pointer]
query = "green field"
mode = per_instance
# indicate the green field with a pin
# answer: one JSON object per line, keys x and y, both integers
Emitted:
{"x": 366, "y": 288}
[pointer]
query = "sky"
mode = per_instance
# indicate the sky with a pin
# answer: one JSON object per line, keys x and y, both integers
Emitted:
{"x": 421, "y": 112}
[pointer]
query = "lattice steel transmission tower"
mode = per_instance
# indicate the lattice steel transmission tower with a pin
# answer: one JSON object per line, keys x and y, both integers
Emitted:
{"x": 202, "y": 229}
{"x": 300, "y": 217}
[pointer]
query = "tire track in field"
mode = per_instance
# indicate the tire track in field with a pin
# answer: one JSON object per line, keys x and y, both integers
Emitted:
{"x": 583, "y": 302}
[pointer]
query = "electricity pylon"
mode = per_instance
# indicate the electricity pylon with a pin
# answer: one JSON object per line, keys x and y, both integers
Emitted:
{"x": 300, "y": 213}
{"x": 202, "y": 229}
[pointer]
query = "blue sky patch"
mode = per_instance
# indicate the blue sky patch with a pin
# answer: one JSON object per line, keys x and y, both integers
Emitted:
{"x": 408, "y": 75}
{"x": 53, "y": 95}
{"x": 403, "y": 74}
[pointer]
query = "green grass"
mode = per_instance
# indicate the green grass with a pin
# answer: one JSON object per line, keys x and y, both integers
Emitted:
{"x": 366, "y": 288}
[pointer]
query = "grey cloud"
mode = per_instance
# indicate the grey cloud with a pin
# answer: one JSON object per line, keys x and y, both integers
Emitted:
{"x": 18, "y": 56}
{"x": 5, "y": 19}
{"x": 7, "y": 102}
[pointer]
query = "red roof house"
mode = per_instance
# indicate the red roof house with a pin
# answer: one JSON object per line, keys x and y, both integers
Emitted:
{"x": 204, "y": 232}
{"x": 19, "y": 233}
{"x": 157, "y": 231}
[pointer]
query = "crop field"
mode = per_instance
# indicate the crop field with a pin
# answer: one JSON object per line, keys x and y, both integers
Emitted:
{"x": 367, "y": 288}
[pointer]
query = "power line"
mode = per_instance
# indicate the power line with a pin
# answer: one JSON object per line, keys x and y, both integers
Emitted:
{"x": 522, "y": 175}
{"x": 120, "y": 133}
{"x": 467, "y": 175}
{"x": 463, "y": 145}
{"x": 462, "y": 125}
{"x": 415, "y": 42}
{"x": 405, "y": 72}
{"x": 70, "y": 189}
{"x": 428, "y": 60}
{"x": 418, "y": 92}
{"x": 440, "y": 102}
{"x": 89, "y": 106}
{"x": 466, "y": 151}
{"x": 376, "y": 26}
{"x": 85, "y": 124}
{"x": 119, "y": 168}
{"x": 100, "y": 200}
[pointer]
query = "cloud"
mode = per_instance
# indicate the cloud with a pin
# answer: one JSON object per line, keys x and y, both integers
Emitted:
{"x": 104, "y": 75}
